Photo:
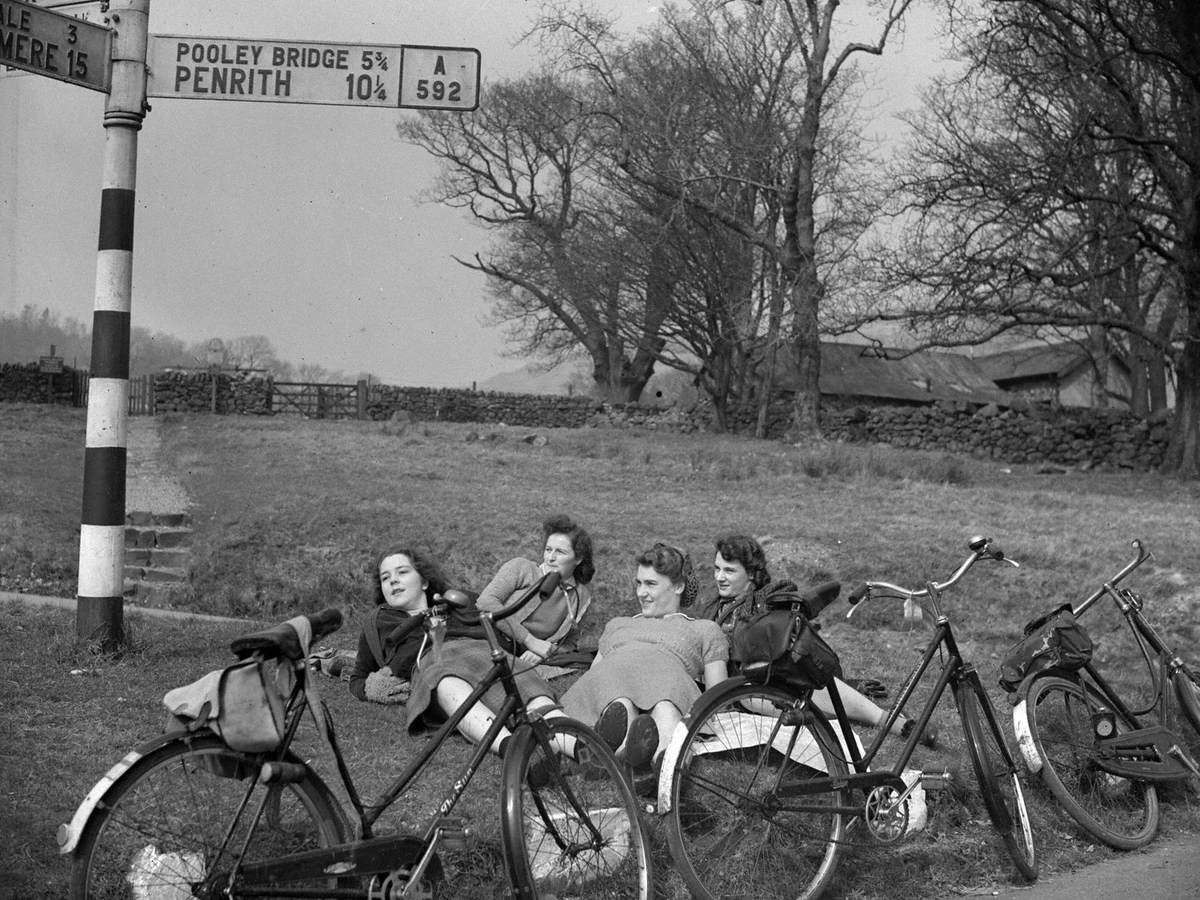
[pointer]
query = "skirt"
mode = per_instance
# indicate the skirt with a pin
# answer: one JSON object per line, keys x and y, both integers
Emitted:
{"x": 470, "y": 660}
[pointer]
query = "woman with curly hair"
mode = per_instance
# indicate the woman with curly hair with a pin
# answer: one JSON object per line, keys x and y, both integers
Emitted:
{"x": 744, "y": 584}
{"x": 644, "y": 677}
{"x": 391, "y": 636}
{"x": 443, "y": 683}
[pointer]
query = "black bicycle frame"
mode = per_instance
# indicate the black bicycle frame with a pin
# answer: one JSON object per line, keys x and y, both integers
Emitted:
{"x": 953, "y": 670}
{"x": 375, "y": 854}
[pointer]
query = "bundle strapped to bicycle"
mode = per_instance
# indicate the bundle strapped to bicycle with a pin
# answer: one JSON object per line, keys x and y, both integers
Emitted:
{"x": 244, "y": 703}
{"x": 1052, "y": 642}
{"x": 783, "y": 641}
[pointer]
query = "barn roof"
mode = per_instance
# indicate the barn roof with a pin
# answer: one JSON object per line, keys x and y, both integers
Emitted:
{"x": 871, "y": 371}
{"x": 1041, "y": 361}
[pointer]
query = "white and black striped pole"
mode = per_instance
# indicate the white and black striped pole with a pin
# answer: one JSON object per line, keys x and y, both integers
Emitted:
{"x": 99, "y": 612}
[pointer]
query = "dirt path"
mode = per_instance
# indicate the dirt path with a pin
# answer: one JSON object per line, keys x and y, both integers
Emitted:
{"x": 149, "y": 486}
{"x": 1165, "y": 870}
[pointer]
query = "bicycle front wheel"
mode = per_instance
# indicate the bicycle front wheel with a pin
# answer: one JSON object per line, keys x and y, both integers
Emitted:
{"x": 996, "y": 772}
{"x": 159, "y": 829}
{"x": 1121, "y": 812}
{"x": 746, "y": 822}
{"x": 1187, "y": 689}
{"x": 570, "y": 820}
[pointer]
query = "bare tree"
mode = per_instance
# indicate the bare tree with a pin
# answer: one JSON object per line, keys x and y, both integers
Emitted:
{"x": 1061, "y": 190}
{"x": 803, "y": 36}
{"x": 525, "y": 165}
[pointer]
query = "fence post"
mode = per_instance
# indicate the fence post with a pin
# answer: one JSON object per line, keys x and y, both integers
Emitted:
{"x": 361, "y": 389}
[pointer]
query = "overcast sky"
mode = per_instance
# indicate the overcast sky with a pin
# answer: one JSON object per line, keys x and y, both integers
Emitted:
{"x": 298, "y": 222}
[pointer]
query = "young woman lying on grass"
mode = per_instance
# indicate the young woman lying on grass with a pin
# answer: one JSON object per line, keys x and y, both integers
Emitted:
{"x": 644, "y": 677}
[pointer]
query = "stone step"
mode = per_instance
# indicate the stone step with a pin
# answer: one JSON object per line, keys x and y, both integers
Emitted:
{"x": 164, "y": 536}
{"x": 153, "y": 556}
{"x": 171, "y": 520}
{"x": 153, "y": 574}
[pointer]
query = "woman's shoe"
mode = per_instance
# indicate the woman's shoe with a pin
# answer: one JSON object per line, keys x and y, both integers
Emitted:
{"x": 928, "y": 737}
{"x": 613, "y": 725}
{"x": 641, "y": 743}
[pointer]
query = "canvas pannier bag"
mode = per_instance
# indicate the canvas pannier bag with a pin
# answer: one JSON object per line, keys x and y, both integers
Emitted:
{"x": 242, "y": 703}
{"x": 1053, "y": 641}
{"x": 790, "y": 644}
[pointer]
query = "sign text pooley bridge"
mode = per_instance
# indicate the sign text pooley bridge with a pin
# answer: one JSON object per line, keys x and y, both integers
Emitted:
{"x": 49, "y": 43}
{"x": 206, "y": 68}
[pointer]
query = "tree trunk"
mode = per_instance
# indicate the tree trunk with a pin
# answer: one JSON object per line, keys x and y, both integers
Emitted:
{"x": 1183, "y": 452}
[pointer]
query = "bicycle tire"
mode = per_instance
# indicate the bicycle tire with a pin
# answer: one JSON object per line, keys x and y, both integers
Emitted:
{"x": 1121, "y": 812}
{"x": 996, "y": 771}
{"x": 160, "y": 822}
{"x": 571, "y": 825}
{"x": 1187, "y": 689}
{"x": 731, "y": 835}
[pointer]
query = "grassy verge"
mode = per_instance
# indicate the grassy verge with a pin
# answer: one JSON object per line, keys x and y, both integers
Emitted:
{"x": 290, "y": 515}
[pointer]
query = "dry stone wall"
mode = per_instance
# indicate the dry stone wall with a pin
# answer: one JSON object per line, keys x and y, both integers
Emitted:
{"x": 193, "y": 392}
{"x": 27, "y": 384}
{"x": 1084, "y": 438}
{"x": 456, "y": 405}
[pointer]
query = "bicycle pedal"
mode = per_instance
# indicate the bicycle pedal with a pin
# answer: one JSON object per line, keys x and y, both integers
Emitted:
{"x": 282, "y": 772}
{"x": 935, "y": 781}
{"x": 453, "y": 833}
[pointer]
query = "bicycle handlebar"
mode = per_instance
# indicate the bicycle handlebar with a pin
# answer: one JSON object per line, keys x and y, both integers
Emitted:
{"x": 1142, "y": 555}
{"x": 980, "y": 547}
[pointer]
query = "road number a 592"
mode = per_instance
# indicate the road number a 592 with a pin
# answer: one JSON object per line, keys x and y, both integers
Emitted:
{"x": 441, "y": 91}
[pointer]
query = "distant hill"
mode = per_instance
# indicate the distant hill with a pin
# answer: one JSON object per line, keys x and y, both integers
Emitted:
{"x": 533, "y": 380}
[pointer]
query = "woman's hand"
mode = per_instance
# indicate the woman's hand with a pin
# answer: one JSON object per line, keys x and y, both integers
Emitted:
{"x": 536, "y": 649}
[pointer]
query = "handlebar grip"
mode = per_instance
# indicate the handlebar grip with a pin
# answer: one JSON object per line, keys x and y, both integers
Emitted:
{"x": 995, "y": 552}
{"x": 858, "y": 594}
{"x": 326, "y": 622}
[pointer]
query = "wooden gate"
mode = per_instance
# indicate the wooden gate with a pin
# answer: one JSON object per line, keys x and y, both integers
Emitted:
{"x": 141, "y": 395}
{"x": 318, "y": 401}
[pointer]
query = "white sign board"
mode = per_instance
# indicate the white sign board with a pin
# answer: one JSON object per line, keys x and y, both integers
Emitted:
{"x": 49, "y": 43}
{"x": 440, "y": 78}
{"x": 209, "y": 68}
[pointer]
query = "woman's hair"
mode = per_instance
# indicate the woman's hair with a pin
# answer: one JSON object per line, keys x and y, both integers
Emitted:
{"x": 581, "y": 544}
{"x": 676, "y": 565}
{"x": 746, "y": 550}
{"x": 426, "y": 566}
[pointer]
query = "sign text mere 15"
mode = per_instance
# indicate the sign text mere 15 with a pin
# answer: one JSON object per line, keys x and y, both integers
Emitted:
{"x": 49, "y": 43}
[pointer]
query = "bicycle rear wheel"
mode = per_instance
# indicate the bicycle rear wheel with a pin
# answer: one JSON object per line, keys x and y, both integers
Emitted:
{"x": 571, "y": 824}
{"x": 157, "y": 831}
{"x": 1121, "y": 812}
{"x": 1187, "y": 689}
{"x": 996, "y": 772}
{"x": 741, "y": 826}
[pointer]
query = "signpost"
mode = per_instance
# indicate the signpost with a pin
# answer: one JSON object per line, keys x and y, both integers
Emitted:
{"x": 129, "y": 64}
{"x": 385, "y": 75}
{"x": 49, "y": 43}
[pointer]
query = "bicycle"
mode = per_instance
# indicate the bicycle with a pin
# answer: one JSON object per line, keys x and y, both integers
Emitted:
{"x": 761, "y": 796}
{"x": 190, "y": 817}
{"x": 1092, "y": 750}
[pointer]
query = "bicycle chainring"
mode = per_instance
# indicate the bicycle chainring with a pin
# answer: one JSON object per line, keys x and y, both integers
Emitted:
{"x": 886, "y": 820}
{"x": 392, "y": 885}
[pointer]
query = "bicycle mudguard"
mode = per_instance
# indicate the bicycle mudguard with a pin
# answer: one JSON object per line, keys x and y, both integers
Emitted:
{"x": 1147, "y": 754}
{"x": 68, "y": 835}
{"x": 1025, "y": 742}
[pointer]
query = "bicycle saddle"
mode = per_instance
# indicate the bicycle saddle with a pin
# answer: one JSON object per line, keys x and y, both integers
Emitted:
{"x": 282, "y": 640}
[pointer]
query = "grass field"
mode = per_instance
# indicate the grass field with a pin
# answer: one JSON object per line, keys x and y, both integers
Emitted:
{"x": 290, "y": 515}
